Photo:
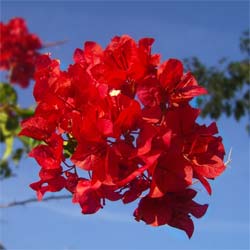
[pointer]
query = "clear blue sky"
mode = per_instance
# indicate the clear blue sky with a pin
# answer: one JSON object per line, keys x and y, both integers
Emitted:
{"x": 207, "y": 29}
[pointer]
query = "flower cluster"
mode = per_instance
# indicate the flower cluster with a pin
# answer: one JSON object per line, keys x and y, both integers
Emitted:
{"x": 18, "y": 50}
{"x": 117, "y": 125}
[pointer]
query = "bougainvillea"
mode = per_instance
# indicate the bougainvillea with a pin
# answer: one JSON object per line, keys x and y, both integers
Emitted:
{"x": 117, "y": 125}
{"x": 18, "y": 50}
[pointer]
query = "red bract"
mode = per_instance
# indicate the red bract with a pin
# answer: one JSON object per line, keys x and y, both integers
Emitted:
{"x": 173, "y": 209}
{"x": 18, "y": 50}
{"x": 118, "y": 125}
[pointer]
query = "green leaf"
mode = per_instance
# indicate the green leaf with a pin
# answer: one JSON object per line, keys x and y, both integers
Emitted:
{"x": 5, "y": 170}
{"x": 2, "y": 137}
{"x": 3, "y": 117}
{"x": 4, "y": 131}
{"x": 70, "y": 146}
{"x": 12, "y": 123}
{"x": 29, "y": 143}
{"x": 24, "y": 113}
{"x": 8, "y": 147}
{"x": 8, "y": 94}
{"x": 17, "y": 155}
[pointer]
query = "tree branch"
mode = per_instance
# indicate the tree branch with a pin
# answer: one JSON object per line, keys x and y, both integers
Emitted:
{"x": 24, "y": 202}
{"x": 53, "y": 44}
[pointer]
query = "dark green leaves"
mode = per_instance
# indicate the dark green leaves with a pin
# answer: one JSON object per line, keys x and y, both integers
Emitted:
{"x": 227, "y": 84}
{"x": 8, "y": 94}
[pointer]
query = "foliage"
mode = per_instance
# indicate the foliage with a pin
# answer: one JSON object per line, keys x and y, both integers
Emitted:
{"x": 19, "y": 51}
{"x": 227, "y": 84}
{"x": 10, "y": 116}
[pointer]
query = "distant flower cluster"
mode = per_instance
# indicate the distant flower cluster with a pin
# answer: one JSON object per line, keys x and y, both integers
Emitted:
{"x": 18, "y": 51}
{"x": 117, "y": 125}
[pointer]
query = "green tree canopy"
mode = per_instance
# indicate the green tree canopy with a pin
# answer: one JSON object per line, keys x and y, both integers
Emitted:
{"x": 227, "y": 84}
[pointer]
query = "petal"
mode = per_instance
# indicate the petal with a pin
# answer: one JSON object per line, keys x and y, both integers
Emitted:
{"x": 170, "y": 73}
{"x": 183, "y": 223}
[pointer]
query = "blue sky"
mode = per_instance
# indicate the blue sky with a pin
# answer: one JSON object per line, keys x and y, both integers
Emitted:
{"x": 207, "y": 29}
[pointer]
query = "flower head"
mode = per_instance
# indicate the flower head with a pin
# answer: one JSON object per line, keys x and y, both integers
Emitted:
{"x": 117, "y": 124}
{"x": 19, "y": 51}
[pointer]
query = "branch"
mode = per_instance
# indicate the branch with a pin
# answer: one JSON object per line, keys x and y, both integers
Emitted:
{"x": 1, "y": 246}
{"x": 53, "y": 44}
{"x": 229, "y": 159}
{"x": 24, "y": 202}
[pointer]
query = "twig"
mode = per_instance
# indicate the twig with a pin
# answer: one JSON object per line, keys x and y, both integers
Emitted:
{"x": 52, "y": 44}
{"x": 24, "y": 202}
{"x": 1, "y": 246}
{"x": 229, "y": 159}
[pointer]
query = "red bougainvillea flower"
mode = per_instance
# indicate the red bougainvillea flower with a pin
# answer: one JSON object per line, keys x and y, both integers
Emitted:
{"x": 173, "y": 209}
{"x": 117, "y": 124}
{"x": 18, "y": 51}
